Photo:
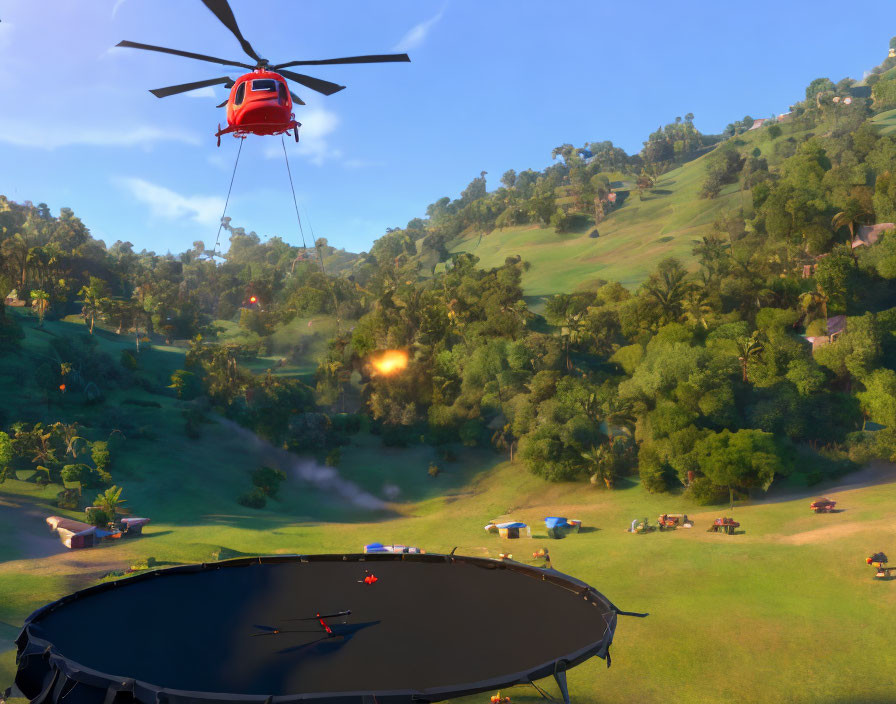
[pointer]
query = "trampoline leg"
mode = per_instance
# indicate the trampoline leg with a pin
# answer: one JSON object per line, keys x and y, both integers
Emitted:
{"x": 560, "y": 677}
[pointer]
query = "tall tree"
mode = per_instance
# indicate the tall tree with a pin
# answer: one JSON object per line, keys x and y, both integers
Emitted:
{"x": 94, "y": 298}
{"x": 40, "y": 303}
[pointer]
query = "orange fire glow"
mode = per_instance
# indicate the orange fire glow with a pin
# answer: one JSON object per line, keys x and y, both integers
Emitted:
{"x": 390, "y": 362}
{"x": 252, "y": 299}
{"x": 62, "y": 387}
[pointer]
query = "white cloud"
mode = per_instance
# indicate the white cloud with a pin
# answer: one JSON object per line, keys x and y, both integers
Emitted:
{"x": 64, "y": 135}
{"x": 206, "y": 92}
{"x": 317, "y": 124}
{"x": 169, "y": 205}
{"x": 417, "y": 34}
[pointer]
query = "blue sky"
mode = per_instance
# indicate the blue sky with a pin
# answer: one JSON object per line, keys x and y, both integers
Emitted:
{"x": 492, "y": 85}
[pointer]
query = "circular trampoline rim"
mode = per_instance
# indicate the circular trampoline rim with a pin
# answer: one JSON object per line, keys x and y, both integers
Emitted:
{"x": 30, "y": 645}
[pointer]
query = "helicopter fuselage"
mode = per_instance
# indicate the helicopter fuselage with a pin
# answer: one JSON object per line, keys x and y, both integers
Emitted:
{"x": 259, "y": 103}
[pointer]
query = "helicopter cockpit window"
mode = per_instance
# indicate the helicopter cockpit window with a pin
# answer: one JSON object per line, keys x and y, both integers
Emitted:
{"x": 264, "y": 84}
{"x": 240, "y": 94}
{"x": 281, "y": 93}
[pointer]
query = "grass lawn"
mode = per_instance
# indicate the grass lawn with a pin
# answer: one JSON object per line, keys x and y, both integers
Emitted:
{"x": 885, "y": 122}
{"x": 788, "y": 606}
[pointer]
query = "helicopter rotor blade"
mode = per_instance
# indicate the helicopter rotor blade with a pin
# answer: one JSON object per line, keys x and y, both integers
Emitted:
{"x": 221, "y": 105}
{"x": 370, "y": 59}
{"x": 184, "y": 87}
{"x": 315, "y": 84}
{"x": 296, "y": 99}
{"x": 336, "y": 614}
{"x": 221, "y": 10}
{"x": 178, "y": 52}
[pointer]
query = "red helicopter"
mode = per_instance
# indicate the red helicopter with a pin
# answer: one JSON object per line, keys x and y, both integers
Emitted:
{"x": 260, "y": 102}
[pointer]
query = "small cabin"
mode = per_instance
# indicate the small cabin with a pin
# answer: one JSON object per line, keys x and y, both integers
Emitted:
{"x": 73, "y": 534}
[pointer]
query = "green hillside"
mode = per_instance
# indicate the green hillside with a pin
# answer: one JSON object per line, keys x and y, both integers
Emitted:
{"x": 633, "y": 239}
{"x": 885, "y": 122}
{"x": 635, "y": 236}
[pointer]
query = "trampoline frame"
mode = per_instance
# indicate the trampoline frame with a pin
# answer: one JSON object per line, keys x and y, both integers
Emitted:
{"x": 46, "y": 676}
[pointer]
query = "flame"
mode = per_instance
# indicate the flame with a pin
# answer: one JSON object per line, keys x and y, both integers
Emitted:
{"x": 390, "y": 361}
{"x": 252, "y": 299}
{"x": 62, "y": 387}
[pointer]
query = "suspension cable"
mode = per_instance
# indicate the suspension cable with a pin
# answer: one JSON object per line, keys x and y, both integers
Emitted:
{"x": 292, "y": 187}
{"x": 226, "y": 202}
{"x": 320, "y": 254}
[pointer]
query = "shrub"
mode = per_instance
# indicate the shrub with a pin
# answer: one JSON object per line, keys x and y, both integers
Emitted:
{"x": 267, "y": 480}
{"x": 100, "y": 454}
{"x": 129, "y": 360}
{"x": 652, "y": 470}
{"x": 433, "y": 470}
{"x": 68, "y": 498}
{"x": 705, "y": 493}
{"x": 146, "y": 564}
{"x": 97, "y": 517}
{"x": 333, "y": 457}
{"x": 253, "y": 499}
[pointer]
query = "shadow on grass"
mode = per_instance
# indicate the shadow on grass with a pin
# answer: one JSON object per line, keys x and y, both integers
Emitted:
{"x": 153, "y": 534}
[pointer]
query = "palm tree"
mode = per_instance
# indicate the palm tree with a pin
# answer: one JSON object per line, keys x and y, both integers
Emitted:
{"x": 110, "y": 501}
{"x": 601, "y": 465}
{"x": 70, "y": 437}
{"x": 748, "y": 349}
{"x": 40, "y": 302}
{"x": 667, "y": 286}
{"x": 711, "y": 250}
{"x": 696, "y": 306}
{"x": 94, "y": 300}
{"x": 816, "y": 300}
{"x": 851, "y": 215}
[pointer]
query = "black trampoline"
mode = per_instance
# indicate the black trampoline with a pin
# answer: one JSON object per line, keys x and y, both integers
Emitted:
{"x": 430, "y": 627}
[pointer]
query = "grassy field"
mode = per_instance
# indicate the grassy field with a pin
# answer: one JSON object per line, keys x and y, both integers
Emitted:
{"x": 788, "y": 606}
{"x": 885, "y": 122}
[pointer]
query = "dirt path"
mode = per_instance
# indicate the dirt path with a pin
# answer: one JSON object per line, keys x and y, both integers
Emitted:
{"x": 31, "y": 535}
{"x": 874, "y": 473}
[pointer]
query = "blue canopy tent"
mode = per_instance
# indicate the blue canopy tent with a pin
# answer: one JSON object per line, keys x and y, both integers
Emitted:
{"x": 559, "y": 526}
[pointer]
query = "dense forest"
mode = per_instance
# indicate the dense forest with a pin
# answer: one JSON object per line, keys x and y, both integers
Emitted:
{"x": 771, "y": 352}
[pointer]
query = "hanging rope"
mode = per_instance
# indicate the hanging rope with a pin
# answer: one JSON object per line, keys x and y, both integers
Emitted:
{"x": 226, "y": 202}
{"x": 293, "y": 188}
{"x": 320, "y": 254}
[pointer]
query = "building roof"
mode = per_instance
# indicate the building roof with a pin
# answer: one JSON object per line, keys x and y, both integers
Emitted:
{"x": 58, "y": 522}
{"x": 836, "y": 324}
{"x": 870, "y": 234}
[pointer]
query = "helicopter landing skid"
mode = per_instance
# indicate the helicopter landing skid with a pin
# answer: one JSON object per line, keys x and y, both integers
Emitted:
{"x": 264, "y": 129}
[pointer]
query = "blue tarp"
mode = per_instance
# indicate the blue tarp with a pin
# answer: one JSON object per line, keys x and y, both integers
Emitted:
{"x": 375, "y": 547}
{"x": 554, "y": 522}
{"x": 512, "y": 525}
